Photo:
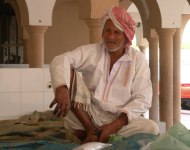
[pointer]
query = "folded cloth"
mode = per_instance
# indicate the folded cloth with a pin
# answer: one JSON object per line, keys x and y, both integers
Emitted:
{"x": 176, "y": 138}
{"x": 80, "y": 94}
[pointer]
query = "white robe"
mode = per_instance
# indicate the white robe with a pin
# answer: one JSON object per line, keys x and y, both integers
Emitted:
{"x": 126, "y": 89}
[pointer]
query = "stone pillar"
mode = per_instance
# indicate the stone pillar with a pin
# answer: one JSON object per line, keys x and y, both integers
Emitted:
{"x": 36, "y": 51}
{"x": 153, "y": 63}
{"x": 166, "y": 75}
{"x": 176, "y": 76}
{"x": 95, "y": 28}
{"x": 143, "y": 49}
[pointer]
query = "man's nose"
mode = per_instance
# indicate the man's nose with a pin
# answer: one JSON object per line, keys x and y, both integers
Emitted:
{"x": 111, "y": 35}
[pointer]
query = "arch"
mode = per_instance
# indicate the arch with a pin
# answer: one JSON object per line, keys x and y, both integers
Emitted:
{"x": 188, "y": 1}
{"x": 172, "y": 18}
{"x": 21, "y": 11}
{"x": 154, "y": 13}
{"x": 24, "y": 13}
{"x": 148, "y": 10}
{"x": 16, "y": 9}
{"x": 11, "y": 34}
{"x": 185, "y": 19}
{"x": 94, "y": 9}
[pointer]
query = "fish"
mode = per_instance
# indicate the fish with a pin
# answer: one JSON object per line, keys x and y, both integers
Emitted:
{"x": 92, "y": 146}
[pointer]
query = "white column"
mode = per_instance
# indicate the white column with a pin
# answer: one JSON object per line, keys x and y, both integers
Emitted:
{"x": 166, "y": 75}
{"x": 95, "y": 28}
{"x": 36, "y": 50}
{"x": 153, "y": 63}
{"x": 176, "y": 75}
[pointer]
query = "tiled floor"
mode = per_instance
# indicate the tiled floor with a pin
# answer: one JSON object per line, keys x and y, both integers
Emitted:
{"x": 185, "y": 118}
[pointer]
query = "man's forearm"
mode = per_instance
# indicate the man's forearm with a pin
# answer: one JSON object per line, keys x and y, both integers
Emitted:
{"x": 84, "y": 118}
{"x": 118, "y": 123}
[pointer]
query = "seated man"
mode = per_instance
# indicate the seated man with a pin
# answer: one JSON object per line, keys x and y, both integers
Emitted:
{"x": 115, "y": 89}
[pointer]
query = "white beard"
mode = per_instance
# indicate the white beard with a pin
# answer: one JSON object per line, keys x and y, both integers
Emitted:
{"x": 113, "y": 50}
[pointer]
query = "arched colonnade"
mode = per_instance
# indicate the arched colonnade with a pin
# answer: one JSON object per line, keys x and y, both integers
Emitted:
{"x": 160, "y": 23}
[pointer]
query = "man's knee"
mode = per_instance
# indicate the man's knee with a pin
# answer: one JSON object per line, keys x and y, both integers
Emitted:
{"x": 152, "y": 127}
{"x": 140, "y": 125}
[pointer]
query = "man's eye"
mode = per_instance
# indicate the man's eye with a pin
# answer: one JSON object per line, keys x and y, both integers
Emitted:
{"x": 117, "y": 32}
{"x": 107, "y": 30}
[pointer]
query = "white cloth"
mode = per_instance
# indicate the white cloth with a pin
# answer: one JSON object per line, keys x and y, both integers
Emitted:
{"x": 139, "y": 125}
{"x": 127, "y": 88}
{"x": 81, "y": 95}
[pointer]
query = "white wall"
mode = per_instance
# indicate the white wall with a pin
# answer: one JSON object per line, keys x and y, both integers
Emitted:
{"x": 23, "y": 91}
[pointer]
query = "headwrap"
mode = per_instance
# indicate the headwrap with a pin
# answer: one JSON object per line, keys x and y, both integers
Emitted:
{"x": 122, "y": 20}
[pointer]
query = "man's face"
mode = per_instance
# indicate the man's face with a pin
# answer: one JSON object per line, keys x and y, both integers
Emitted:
{"x": 113, "y": 38}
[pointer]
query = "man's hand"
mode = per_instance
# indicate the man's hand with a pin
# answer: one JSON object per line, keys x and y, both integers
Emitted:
{"x": 62, "y": 101}
{"x": 105, "y": 132}
{"x": 90, "y": 137}
{"x": 107, "y": 129}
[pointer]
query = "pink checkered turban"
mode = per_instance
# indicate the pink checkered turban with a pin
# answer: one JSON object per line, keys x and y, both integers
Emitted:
{"x": 122, "y": 20}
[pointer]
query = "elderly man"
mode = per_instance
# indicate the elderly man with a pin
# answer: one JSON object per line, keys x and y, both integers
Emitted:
{"x": 115, "y": 89}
